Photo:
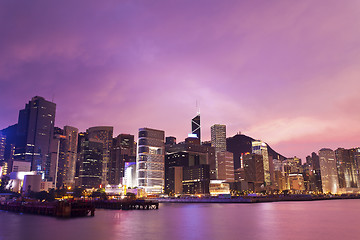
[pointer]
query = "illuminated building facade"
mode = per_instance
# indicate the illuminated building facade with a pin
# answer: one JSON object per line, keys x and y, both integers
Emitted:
{"x": 34, "y": 134}
{"x": 105, "y": 135}
{"x": 328, "y": 169}
{"x": 346, "y": 168}
{"x": 218, "y": 137}
{"x": 296, "y": 182}
{"x": 130, "y": 174}
{"x": 260, "y": 148}
{"x": 150, "y": 160}
{"x": 224, "y": 161}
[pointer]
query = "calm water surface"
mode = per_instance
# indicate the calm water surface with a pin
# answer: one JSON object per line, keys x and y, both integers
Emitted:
{"x": 335, "y": 219}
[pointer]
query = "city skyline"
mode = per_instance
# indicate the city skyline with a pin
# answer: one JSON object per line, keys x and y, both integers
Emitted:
{"x": 288, "y": 78}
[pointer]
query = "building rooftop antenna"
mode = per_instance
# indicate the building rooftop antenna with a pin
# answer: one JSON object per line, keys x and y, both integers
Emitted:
{"x": 197, "y": 107}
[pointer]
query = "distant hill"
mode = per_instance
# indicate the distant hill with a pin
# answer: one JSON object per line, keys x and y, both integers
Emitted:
{"x": 240, "y": 144}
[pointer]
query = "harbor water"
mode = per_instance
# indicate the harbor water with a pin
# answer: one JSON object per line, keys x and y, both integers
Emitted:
{"x": 330, "y": 219}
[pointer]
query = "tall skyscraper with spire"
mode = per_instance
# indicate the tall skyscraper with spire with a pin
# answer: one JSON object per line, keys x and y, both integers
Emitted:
{"x": 195, "y": 126}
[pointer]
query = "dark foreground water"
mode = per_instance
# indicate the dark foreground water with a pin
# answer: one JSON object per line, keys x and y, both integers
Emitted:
{"x": 334, "y": 219}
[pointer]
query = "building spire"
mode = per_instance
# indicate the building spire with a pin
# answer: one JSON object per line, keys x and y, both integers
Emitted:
{"x": 197, "y": 107}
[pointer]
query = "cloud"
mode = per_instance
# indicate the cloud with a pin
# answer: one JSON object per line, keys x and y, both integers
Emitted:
{"x": 283, "y": 72}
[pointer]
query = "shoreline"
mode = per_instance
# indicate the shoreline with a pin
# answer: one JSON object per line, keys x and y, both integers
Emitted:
{"x": 257, "y": 199}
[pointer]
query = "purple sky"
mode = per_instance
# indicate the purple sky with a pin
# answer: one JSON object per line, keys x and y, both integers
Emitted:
{"x": 286, "y": 72}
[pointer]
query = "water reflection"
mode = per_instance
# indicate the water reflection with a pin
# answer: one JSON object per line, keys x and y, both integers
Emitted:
{"x": 334, "y": 219}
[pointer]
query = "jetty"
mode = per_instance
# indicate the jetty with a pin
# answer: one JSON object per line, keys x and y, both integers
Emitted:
{"x": 126, "y": 204}
{"x": 59, "y": 209}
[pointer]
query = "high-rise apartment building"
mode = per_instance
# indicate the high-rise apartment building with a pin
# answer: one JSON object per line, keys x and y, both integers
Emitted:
{"x": 196, "y": 127}
{"x": 150, "y": 160}
{"x": 34, "y": 134}
{"x": 328, "y": 169}
{"x": 105, "y": 135}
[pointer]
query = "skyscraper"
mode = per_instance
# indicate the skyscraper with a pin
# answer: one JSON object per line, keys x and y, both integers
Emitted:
{"x": 254, "y": 171}
{"x": 105, "y": 135}
{"x": 260, "y": 148}
{"x": 91, "y": 157}
{"x": 71, "y": 141}
{"x": 329, "y": 177}
{"x": 122, "y": 152}
{"x": 150, "y": 160}
{"x": 57, "y": 158}
{"x": 9, "y": 153}
{"x": 196, "y": 127}
{"x": 346, "y": 168}
{"x": 35, "y": 132}
{"x": 218, "y": 137}
{"x": 187, "y": 167}
{"x": 224, "y": 161}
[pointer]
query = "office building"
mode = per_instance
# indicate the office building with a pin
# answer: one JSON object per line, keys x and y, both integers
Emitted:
{"x": 105, "y": 135}
{"x": 9, "y": 151}
{"x": 196, "y": 179}
{"x": 34, "y": 134}
{"x": 122, "y": 152}
{"x": 346, "y": 168}
{"x": 254, "y": 171}
{"x": 218, "y": 137}
{"x": 225, "y": 169}
{"x": 150, "y": 160}
{"x": 185, "y": 165}
{"x": 260, "y": 148}
{"x": 224, "y": 161}
{"x": 91, "y": 157}
{"x": 328, "y": 169}
{"x": 196, "y": 127}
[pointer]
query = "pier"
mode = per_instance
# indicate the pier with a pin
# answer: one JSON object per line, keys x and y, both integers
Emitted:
{"x": 126, "y": 204}
{"x": 55, "y": 209}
